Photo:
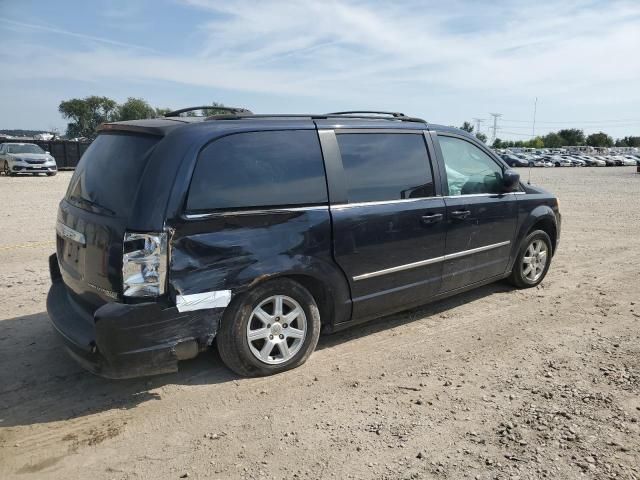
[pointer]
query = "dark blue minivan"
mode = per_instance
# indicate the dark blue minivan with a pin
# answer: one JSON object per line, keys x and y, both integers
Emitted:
{"x": 261, "y": 231}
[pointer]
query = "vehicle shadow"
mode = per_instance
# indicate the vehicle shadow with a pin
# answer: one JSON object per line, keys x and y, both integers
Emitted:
{"x": 40, "y": 383}
{"x": 408, "y": 316}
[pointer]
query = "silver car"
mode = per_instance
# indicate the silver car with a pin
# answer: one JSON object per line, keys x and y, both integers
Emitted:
{"x": 18, "y": 158}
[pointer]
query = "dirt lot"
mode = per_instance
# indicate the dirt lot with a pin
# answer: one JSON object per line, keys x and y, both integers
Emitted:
{"x": 496, "y": 383}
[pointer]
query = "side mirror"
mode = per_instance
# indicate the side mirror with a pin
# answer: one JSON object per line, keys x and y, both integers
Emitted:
{"x": 510, "y": 180}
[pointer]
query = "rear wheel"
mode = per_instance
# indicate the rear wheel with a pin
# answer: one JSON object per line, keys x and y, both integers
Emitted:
{"x": 533, "y": 260}
{"x": 271, "y": 329}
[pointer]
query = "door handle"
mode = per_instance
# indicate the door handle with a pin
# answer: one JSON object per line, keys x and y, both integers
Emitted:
{"x": 431, "y": 218}
{"x": 460, "y": 214}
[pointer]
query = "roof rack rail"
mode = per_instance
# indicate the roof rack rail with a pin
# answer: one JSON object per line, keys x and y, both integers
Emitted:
{"x": 236, "y": 110}
{"x": 324, "y": 116}
{"x": 374, "y": 112}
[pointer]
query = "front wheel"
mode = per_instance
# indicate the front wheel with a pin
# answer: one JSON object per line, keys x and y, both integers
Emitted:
{"x": 533, "y": 260}
{"x": 6, "y": 169}
{"x": 270, "y": 329}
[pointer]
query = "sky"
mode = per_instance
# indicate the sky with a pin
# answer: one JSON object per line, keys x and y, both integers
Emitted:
{"x": 446, "y": 62}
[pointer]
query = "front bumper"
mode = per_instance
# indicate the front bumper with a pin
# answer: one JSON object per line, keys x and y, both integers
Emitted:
{"x": 24, "y": 167}
{"x": 127, "y": 340}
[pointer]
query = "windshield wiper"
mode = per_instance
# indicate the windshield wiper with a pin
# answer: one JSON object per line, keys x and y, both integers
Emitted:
{"x": 91, "y": 203}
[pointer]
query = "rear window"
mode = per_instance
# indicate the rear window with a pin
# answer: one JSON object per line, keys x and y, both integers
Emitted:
{"x": 109, "y": 172}
{"x": 259, "y": 169}
{"x": 385, "y": 166}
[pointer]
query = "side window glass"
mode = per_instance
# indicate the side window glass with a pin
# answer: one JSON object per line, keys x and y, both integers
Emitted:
{"x": 259, "y": 169}
{"x": 385, "y": 166}
{"x": 469, "y": 170}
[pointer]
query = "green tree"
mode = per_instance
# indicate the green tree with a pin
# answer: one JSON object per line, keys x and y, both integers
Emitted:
{"x": 482, "y": 137}
{"x": 599, "y": 139}
{"x": 537, "y": 142}
{"x": 572, "y": 136}
{"x": 553, "y": 140}
{"x": 135, "y": 109}
{"x": 628, "y": 142}
{"x": 467, "y": 127}
{"x": 497, "y": 143}
{"x": 161, "y": 112}
{"x": 87, "y": 114}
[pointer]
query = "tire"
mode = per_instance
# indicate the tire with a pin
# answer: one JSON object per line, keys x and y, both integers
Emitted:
{"x": 7, "y": 171}
{"x": 242, "y": 355}
{"x": 521, "y": 276}
{"x": 51, "y": 174}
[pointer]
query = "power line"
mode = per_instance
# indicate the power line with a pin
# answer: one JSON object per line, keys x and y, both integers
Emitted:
{"x": 516, "y": 133}
{"x": 595, "y": 126}
{"x": 633, "y": 120}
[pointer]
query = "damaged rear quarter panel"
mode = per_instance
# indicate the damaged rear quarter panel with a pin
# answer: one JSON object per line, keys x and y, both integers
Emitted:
{"x": 236, "y": 250}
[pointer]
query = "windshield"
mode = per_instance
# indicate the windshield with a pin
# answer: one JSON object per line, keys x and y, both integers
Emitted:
{"x": 108, "y": 174}
{"x": 25, "y": 148}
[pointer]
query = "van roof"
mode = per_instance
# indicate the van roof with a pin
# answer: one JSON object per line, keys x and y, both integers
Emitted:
{"x": 241, "y": 120}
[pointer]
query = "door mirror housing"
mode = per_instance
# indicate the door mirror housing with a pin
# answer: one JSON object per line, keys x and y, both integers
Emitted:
{"x": 510, "y": 180}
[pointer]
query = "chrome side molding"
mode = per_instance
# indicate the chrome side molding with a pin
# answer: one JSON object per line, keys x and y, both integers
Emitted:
{"x": 430, "y": 261}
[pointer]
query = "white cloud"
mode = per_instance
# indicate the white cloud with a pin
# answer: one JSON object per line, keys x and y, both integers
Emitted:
{"x": 572, "y": 53}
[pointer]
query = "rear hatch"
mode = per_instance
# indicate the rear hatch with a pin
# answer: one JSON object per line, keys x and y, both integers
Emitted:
{"x": 94, "y": 214}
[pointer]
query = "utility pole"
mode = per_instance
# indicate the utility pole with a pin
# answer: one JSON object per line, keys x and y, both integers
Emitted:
{"x": 478, "y": 122}
{"x": 495, "y": 124}
{"x": 535, "y": 108}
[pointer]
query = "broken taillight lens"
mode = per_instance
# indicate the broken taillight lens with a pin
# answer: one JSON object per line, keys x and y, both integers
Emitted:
{"x": 144, "y": 264}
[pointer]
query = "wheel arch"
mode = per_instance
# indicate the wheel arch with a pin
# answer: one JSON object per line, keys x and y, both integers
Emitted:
{"x": 333, "y": 300}
{"x": 540, "y": 218}
{"x": 547, "y": 225}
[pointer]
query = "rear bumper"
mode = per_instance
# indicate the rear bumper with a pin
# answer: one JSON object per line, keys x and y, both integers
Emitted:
{"x": 128, "y": 340}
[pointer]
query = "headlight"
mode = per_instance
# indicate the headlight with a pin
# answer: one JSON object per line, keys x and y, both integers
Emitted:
{"x": 144, "y": 264}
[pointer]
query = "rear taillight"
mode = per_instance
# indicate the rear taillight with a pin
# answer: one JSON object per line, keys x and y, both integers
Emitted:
{"x": 144, "y": 264}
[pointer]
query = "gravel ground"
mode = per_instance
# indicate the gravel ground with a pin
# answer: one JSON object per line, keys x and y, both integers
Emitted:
{"x": 494, "y": 383}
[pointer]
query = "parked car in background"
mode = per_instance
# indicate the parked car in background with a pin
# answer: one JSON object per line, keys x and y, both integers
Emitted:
{"x": 258, "y": 232}
{"x": 20, "y": 158}
{"x": 538, "y": 161}
{"x": 605, "y": 159}
{"x": 594, "y": 161}
{"x": 577, "y": 162}
{"x": 513, "y": 160}
{"x": 627, "y": 162}
{"x": 558, "y": 161}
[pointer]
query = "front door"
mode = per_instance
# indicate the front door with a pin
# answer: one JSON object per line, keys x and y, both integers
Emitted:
{"x": 481, "y": 219}
{"x": 389, "y": 228}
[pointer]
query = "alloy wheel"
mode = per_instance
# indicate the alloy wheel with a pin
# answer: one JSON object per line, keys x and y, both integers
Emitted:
{"x": 276, "y": 329}
{"x": 535, "y": 260}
